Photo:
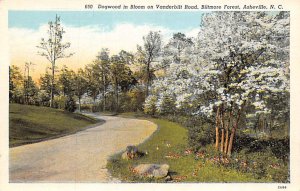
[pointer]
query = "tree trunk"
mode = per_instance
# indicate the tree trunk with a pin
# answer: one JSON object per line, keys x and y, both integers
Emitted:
{"x": 117, "y": 97}
{"x": 222, "y": 132}
{"x": 226, "y": 140}
{"x": 52, "y": 86}
{"x": 79, "y": 104}
{"x": 263, "y": 124}
{"x": 271, "y": 126}
{"x": 233, "y": 130}
{"x": 117, "y": 109}
{"x": 217, "y": 129}
{"x": 25, "y": 90}
{"x": 104, "y": 90}
{"x": 103, "y": 95}
{"x": 259, "y": 123}
{"x": 117, "y": 101}
{"x": 148, "y": 79}
{"x": 227, "y": 133}
{"x": 231, "y": 141}
{"x": 222, "y": 140}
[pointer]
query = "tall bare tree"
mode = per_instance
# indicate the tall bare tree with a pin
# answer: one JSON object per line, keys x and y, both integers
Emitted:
{"x": 53, "y": 48}
{"x": 147, "y": 54}
{"x": 27, "y": 78}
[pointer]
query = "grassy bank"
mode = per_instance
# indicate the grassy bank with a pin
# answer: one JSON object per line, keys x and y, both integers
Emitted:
{"x": 29, "y": 124}
{"x": 169, "y": 145}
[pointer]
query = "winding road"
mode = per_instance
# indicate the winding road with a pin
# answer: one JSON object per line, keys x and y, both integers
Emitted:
{"x": 79, "y": 157}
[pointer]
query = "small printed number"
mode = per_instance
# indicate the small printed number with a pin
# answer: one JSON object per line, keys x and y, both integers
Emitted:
{"x": 281, "y": 187}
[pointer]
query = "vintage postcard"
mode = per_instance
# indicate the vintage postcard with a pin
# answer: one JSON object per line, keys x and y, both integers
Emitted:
{"x": 108, "y": 94}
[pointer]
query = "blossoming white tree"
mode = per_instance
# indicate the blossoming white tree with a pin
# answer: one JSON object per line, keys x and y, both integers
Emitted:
{"x": 239, "y": 63}
{"x": 246, "y": 65}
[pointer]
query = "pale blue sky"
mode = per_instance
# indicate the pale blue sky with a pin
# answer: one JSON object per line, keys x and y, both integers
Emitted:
{"x": 174, "y": 20}
{"x": 90, "y": 31}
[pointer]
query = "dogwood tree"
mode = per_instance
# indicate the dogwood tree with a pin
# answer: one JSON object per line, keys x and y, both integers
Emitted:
{"x": 176, "y": 50}
{"x": 246, "y": 66}
{"x": 239, "y": 62}
{"x": 183, "y": 79}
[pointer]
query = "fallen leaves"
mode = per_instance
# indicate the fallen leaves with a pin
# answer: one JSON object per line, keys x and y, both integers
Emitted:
{"x": 171, "y": 155}
{"x": 178, "y": 178}
{"x": 188, "y": 151}
{"x": 200, "y": 154}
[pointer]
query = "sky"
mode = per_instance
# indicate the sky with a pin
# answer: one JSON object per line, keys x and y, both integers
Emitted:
{"x": 90, "y": 31}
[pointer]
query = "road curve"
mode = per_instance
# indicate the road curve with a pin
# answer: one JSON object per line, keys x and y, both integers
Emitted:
{"x": 79, "y": 157}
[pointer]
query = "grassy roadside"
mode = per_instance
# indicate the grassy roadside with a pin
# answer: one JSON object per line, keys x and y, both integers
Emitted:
{"x": 29, "y": 124}
{"x": 168, "y": 145}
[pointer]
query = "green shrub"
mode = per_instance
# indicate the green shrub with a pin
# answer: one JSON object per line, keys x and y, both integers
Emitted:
{"x": 262, "y": 164}
{"x": 150, "y": 105}
{"x": 183, "y": 120}
{"x": 200, "y": 135}
{"x": 279, "y": 174}
{"x": 70, "y": 104}
{"x": 200, "y": 131}
{"x": 86, "y": 107}
{"x": 60, "y": 101}
{"x": 133, "y": 100}
{"x": 279, "y": 147}
{"x": 166, "y": 105}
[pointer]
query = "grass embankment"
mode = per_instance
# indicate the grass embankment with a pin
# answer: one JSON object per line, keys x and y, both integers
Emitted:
{"x": 168, "y": 145}
{"x": 29, "y": 124}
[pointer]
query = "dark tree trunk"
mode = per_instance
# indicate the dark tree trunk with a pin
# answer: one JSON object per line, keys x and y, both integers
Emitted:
{"x": 217, "y": 129}
{"x": 148, "y": 79}
{"x": 222, "y": 140}
{"x": 227, "y": 133}
{"x": 234, "y": 128}
{"x": 226, "y": 140}
{"x": 104, "y": 91}
{"x": 231, "y": 141}
{"x": 117, "y": 96}
{"x": 103, "y": 95}
{"x": 222, "y": 131}
{"x": 52, "y": 86}
{"x": 79, "y": 104}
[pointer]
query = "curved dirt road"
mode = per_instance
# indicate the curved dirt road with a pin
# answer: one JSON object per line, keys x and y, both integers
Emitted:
{"x": 80, "y": 157}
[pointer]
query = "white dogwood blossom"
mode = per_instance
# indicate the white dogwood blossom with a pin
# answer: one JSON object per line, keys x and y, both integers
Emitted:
{"x": 236, "y": 56}
{"x": 244, "y": 57}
